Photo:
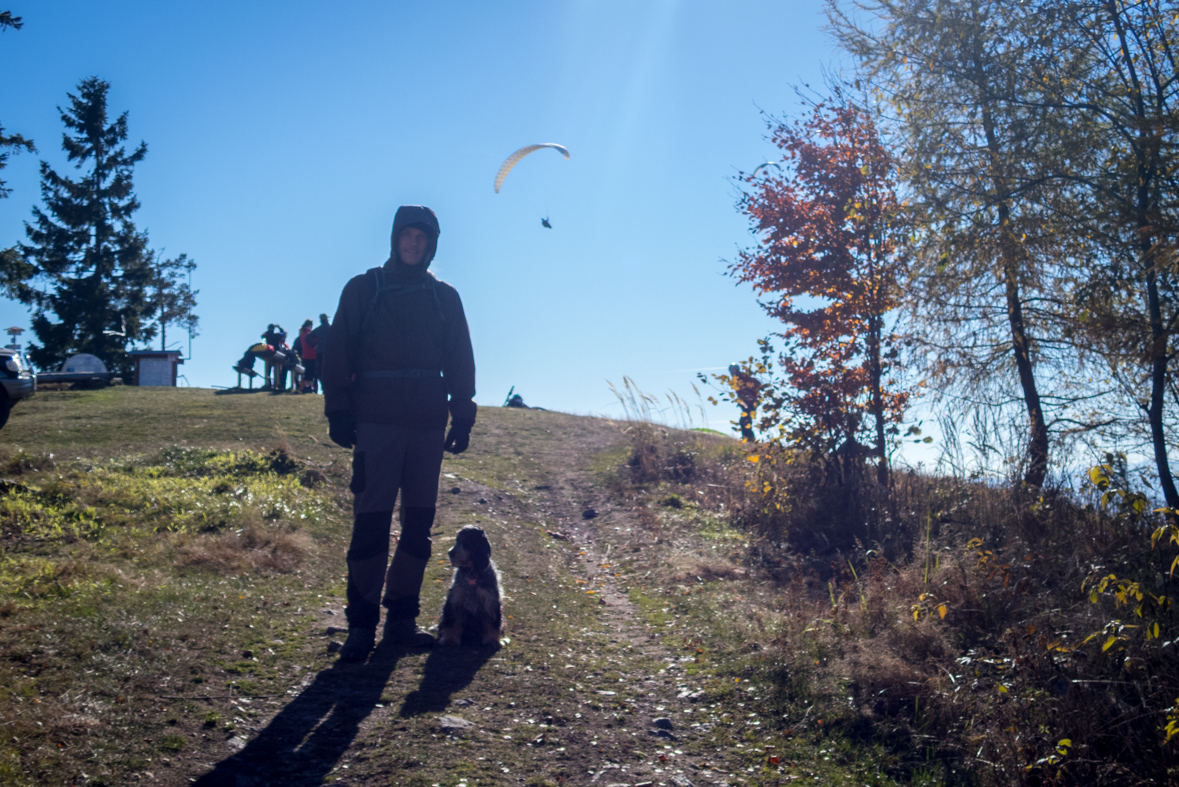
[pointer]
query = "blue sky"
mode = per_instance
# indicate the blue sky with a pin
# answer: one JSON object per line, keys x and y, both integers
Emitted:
{"x": 283, "y": 136}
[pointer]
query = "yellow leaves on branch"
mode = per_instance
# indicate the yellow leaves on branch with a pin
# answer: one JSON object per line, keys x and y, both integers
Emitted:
{"x": 927, "y": 604}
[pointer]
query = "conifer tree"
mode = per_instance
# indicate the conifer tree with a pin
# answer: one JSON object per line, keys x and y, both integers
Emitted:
{"x": 88, "y": 266}
{"x": 11, "y": 143}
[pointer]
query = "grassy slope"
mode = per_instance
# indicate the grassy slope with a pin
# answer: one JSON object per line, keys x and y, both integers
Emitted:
{"x": 166, "y": 615}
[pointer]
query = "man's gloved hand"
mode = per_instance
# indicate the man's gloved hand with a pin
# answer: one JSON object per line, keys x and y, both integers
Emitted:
{"x": 342, "y": 429}
{"x": 459, "y": 438}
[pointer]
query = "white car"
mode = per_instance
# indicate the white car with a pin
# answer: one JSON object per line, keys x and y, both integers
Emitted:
{"x": 17, "y": 381}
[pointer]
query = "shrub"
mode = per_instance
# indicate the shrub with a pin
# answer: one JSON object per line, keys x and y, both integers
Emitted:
{"x": 985, "y": 634}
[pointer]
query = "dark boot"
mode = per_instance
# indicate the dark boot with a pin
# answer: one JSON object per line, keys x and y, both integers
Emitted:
{"x": 403, "y": 583}
{"x": 359, "y": 644}
{"x": 368, "y": 558}
{"x": 405, "y": 632}
{"x": 402, "y": 600}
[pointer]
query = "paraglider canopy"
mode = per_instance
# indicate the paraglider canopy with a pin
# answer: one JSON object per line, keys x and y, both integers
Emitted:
{"x": 506, "y": 167}
{"x": 759, "y": 167}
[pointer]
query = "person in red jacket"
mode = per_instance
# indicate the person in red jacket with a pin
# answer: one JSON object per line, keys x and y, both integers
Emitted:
{"x": 305, "y": 345}
{"x": 397, "y": 367}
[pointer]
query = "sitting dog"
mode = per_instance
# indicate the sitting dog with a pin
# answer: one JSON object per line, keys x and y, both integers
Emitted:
{"x": 473, "y": 610}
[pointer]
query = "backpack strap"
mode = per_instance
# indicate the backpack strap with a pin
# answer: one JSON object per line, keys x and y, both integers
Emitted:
{"x": 380, "y": 287}
{"x": 378, "y": 279}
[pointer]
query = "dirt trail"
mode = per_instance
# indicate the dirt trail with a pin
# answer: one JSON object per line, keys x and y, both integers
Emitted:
{"x": 572, "y": 698}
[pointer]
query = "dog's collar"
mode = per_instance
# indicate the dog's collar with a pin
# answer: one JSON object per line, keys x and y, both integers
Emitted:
{"x": 472, "y": 581}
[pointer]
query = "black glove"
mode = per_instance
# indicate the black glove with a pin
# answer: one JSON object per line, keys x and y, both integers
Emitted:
{"x": 342, "y": 429}
{"x": 459, "y": 438}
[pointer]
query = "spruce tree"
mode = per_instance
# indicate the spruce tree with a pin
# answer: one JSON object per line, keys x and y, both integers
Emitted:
{"x": 89, "y": 267}
{"x": 11, "y": 143}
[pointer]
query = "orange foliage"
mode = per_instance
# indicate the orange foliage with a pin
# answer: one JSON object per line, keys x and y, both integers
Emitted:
{"x": 830, "y": 251}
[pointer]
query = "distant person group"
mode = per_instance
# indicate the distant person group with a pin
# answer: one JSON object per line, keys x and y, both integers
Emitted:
{"x": 306, "y": 351}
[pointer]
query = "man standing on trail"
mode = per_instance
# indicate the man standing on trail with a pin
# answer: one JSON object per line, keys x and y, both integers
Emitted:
{"x": 398, "y": 362}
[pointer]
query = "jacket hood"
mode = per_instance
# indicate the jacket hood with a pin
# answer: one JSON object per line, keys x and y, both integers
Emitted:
{"x": 424, "y": 219}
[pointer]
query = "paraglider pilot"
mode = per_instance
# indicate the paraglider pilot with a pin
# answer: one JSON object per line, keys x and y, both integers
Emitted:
{"x": 398, "y": 364}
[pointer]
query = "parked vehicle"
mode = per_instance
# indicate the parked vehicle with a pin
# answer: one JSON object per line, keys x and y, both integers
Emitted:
{"x": 17, "y": 381}
{"x": 82, "y": 369}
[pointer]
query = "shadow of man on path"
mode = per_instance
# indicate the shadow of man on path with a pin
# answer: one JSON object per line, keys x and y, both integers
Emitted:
{"x": 447, "y": 670}
{"x": 303, "y": 743}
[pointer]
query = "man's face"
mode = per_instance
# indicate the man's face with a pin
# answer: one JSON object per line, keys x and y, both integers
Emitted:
{"x": 411, "y": 245}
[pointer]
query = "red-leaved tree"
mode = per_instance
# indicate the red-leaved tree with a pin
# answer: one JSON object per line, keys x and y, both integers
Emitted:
{"x": 830, "y": 250}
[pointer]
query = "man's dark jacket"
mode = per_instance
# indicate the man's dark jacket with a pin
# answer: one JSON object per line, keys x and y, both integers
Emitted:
{"x": 384, "y": 353}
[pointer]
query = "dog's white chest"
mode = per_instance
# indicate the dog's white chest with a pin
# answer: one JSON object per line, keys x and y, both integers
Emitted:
{"x": 480, "y": 599}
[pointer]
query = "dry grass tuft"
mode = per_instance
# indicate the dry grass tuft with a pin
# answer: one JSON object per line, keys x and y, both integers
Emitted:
{"x": 312, "y": 478}
{"x": 254, "y": 548}
{"x": 282, "y": 445}
{"x": 705, "y": 570}
{"x": 21, "y": 462}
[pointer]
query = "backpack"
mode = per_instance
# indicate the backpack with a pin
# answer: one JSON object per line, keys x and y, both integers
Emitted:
{"x": 380, "y": 287}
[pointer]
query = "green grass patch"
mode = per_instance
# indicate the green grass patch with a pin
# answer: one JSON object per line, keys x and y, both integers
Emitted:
{"x": 173, "y": 743}
{"x": 179, "y": 491}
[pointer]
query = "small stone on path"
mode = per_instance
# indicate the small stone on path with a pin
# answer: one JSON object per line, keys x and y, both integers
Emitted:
{"x": 663, "y": 723}
{"x": 452, "y": 724}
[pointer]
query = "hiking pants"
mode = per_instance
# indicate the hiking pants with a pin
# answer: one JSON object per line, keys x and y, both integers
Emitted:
{"x": 388, "y": 459}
